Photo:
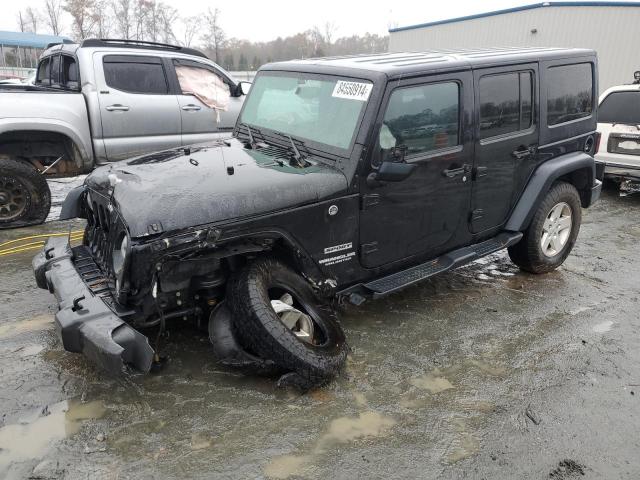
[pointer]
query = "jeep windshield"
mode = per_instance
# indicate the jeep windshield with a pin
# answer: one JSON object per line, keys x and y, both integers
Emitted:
{"x": 321, "y": 110}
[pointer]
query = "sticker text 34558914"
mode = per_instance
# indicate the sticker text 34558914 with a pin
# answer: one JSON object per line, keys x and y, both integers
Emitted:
{"x": 352, "y": 90}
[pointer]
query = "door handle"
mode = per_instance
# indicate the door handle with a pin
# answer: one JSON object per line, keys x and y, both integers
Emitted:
{"x": 191, "y": 107}
{"x": 523, "y": 152}
{"x": 117, "y": 108}
{"x": 454, "y": 172}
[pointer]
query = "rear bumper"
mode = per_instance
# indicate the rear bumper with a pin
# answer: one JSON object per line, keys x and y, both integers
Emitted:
{"x": 84, "y": 322}
{"x": 596, "y": 190}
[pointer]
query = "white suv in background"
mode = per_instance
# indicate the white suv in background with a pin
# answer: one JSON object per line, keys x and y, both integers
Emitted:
{"x": 619, "y": 129}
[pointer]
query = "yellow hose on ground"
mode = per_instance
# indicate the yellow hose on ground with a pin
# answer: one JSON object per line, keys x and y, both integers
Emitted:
{"x": 44, "y": 235}
{"x": 75, "y": 236}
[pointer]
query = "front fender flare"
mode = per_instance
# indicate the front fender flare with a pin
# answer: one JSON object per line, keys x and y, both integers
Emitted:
{"x": 541, "y": 181}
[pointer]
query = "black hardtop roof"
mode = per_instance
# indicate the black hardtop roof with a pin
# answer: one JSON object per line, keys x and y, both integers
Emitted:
{"x": 407, "y": 63}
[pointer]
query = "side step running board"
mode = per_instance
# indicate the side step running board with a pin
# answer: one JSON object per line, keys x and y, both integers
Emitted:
{"x": 456, "y": 258}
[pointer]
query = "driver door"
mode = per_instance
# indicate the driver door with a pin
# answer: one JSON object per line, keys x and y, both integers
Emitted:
{"x": 425, "y": 122}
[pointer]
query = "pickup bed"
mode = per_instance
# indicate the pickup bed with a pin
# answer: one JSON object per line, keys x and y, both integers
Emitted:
{"x": 103, "y": 101}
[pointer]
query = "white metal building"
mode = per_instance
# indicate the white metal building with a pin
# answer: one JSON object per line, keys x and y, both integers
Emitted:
{"x": 610, "y": 28}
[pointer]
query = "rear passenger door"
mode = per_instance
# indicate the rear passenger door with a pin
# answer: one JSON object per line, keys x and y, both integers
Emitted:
{"x": 139, "y": 112}
{"x": 506, "y": 141}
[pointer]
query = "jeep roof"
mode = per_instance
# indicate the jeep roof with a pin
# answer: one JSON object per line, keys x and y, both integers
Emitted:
{"x": 400, "y": 64}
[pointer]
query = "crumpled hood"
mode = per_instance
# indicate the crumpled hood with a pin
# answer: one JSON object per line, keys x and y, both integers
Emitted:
{"x": 181, "y": 188}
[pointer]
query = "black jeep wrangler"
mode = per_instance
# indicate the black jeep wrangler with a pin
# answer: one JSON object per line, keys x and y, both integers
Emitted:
{"x": 346, "y": 179}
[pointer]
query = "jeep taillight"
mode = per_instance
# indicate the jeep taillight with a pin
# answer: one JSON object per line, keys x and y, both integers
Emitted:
{"x": 597, "y": 142}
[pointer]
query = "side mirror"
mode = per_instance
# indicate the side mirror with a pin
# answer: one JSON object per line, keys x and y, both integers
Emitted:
{"x": 391, "y": 172}
{"x": 244, "y": 87}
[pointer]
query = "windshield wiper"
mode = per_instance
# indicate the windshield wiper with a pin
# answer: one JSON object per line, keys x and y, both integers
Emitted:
{"x": 252, "y": 141}
{"x": 298, "y": 158}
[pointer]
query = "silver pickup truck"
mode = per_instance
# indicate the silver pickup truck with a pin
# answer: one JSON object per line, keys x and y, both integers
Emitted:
{"x": 102, "y": 101}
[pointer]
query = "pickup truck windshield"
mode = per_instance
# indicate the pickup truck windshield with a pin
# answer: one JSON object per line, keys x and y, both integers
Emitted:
{"x": 310, "y": 107}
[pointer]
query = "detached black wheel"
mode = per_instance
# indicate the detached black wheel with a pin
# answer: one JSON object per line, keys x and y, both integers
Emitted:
{"x": 277, "y": 315}
{"x": 25, "y": 198}
{"x": 552, "y": 232}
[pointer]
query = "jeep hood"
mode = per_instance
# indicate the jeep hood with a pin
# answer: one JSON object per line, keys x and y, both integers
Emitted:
{"x": 222, "y": 182}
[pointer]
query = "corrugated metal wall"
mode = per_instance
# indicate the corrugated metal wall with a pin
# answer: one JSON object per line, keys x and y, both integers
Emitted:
{"x": 614, "y": 32}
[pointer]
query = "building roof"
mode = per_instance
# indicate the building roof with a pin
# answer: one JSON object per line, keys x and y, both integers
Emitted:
{"x": 517, "y": 9}
{"x": 34, "y": 40}
{"x": 407, "y": 63}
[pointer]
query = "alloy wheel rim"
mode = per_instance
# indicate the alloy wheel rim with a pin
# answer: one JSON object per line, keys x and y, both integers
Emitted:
{"x": 556, "y": 229}
{"x": 297, "y": 321}
{"x": 14, "y": 198}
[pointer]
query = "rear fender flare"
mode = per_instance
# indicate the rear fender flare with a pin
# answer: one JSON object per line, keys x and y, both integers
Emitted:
{"x": 545, "y": 175}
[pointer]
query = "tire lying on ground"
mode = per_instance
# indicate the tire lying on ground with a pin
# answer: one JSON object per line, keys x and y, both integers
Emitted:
{"x": 25, "y": 198}
{"x": 303, "y": 338}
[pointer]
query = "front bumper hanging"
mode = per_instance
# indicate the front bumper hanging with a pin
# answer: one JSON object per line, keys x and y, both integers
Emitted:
{"x": 84, "y": 322}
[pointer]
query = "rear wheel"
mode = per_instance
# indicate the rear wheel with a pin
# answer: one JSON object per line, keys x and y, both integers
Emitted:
{"x": 25, "y": 198}
{"x": 277, "y": 315}
{"x": 552, "y": 232}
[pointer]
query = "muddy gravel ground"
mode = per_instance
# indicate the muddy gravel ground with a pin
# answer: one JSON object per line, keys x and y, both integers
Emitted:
{"x": 484, "y": 372}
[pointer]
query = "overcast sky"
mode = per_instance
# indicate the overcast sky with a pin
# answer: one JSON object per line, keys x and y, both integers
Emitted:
{"x": 265, "y": 20}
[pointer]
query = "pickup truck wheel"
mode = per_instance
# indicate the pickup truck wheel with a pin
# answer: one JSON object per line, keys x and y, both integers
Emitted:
{"x": 25, "y": 198}
{"x": 552, "y": 232}
{"x": 278, "y": 316}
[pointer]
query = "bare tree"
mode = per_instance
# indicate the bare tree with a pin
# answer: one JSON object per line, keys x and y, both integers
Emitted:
{"x": 123, "y": 16}
{"x": 33, "y": 19}
{"x": 82, "y": 16}
{"x": 22, "y": 21}
{"x": 191, "y": 27}
{"x": 214, "y": 36}
{"x": 329, "y": 32}
{"x": 101, "y": 19}
{"x": 168, "y": 17}
{"x": 53, "y": 9}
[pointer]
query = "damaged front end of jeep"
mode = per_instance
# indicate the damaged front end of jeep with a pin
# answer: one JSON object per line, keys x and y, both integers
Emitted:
{"x": 113, "y": 286}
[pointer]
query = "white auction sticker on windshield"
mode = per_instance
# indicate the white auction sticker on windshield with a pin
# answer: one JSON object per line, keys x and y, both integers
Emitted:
{"x": 352, "y": 90}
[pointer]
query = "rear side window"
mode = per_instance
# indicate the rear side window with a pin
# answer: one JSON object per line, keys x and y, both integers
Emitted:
{"x": 569, "y": 93}
{"x": 422, "y": 118}
{"x": 620, "y": 107}
{"x": 135, "y": 74}
{"x": 44, "y": 71}
{"x": 505, "y": 103}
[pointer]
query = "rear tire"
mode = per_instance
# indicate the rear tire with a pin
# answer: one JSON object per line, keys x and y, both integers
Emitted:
{"x": 25, "y": 198}
{"x": 261, "y": 330}
{"x": 552, "y": 233}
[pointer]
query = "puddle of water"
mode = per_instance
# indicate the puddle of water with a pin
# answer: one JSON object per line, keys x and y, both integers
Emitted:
{"x": 200, "y": 441}
{"x": 467, "y": 445}
{"x": 41, "y": 322}
{"x": 347, "y": 429}
{"x": 21, "y": 442}
{"x": 602, "y": 327}
{"x": 30, "y": 350}
{"x": 287, "y": 466}
{"x": 341, "y": 430}
{"x": 432, "y": 383}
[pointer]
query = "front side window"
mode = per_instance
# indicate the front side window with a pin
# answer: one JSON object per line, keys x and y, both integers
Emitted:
{"x": 203, "y": 84}
{"x": 620, "y": 107}
{"x": 569, "y": 93}
{"x": 422, "y": 119}
{"x": 505, "y": 103}
{"x": 135, "y": 74}
{"x": 321, "y": 109}
{"x": 70, "y": 76}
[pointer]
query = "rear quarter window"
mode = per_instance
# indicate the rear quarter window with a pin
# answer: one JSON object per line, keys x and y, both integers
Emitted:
{"x": 569, "y": 93}
{"x": 620, "y": 107}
